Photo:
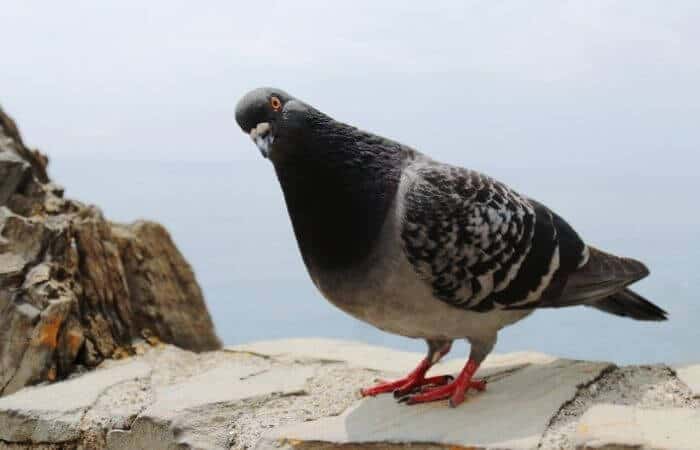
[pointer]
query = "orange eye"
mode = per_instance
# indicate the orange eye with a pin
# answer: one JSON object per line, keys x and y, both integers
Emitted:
{"x": 276, "y": 103}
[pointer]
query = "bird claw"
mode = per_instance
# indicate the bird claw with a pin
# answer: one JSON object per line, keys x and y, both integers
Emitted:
{"x": 453, "y": 391}
{"x": 479, "y": 385}
{"x": 406, "y": 385}
{"x": 411, "y": 388}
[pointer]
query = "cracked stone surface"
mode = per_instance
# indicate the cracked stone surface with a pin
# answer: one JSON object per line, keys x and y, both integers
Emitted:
{"x": 526, "y": 398}
{"x": 615, "y": 427}
{"x": 302, "y": 394}
{"x": 649, "y": 387}
{"x": 55, "y": 413}
{"x": 178, "y": 412}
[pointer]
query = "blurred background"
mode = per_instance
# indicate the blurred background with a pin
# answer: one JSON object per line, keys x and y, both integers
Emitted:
{"x": 590, "y": 107}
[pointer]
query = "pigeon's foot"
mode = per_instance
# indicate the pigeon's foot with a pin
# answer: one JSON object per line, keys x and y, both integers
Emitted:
{"x": 406, "y": 385}
{"x": 455, "y": 390}
{"x": 412, "y": 382}
{"x": 426, "y": 383}
{"x": 415, "y": 380}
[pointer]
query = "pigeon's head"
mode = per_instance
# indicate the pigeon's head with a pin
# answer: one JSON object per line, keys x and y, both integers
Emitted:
{"x": 269, "y": 114}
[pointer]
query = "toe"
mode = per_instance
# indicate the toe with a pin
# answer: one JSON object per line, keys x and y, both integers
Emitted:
{"x": 432, "y": 394}
{"x": 479, "y": 385}
{"x": 439, "y": 380}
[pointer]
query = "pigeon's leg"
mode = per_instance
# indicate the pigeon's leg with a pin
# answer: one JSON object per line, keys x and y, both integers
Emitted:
{"x": 436, "y": 350}
{"x": 455, "y": 390}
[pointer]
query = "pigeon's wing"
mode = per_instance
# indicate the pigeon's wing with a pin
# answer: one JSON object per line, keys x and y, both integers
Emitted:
{"x": 480, "y": 245}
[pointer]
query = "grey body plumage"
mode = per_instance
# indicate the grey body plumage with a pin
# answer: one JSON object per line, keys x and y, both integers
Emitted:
{"x": 421, "y": 248}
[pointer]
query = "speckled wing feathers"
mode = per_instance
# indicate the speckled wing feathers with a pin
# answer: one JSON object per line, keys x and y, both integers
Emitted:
{"x": 480, "y": 245}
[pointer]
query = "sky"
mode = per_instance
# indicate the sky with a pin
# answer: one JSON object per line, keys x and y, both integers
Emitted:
{"x": 590, "y": 107}
{"x": 546, "y": 82}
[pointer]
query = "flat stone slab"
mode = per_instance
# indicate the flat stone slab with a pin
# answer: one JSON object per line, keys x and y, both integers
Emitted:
{"x": 512, "y": 413}
{"x": 177, "y": 412}
{"x": 378, "y": 358}
{"x": 690, "y": 375}
{"x": 230, "y": 383}
{"x": 622, "y": 427}
{"x": 53, "y": 413}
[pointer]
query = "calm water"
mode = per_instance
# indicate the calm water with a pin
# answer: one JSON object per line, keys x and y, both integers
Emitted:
{"x": 229, "y": 220}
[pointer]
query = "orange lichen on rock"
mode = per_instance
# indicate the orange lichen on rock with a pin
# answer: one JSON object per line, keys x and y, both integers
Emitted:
{"x": 75, "y": 340}
{"x": 48, "y": 333}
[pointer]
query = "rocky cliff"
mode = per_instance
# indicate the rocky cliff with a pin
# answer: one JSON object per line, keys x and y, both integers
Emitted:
{"x": 75, "y": 288}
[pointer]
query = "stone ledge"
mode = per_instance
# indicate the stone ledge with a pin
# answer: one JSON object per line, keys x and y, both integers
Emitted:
{"x": 690, "y": 375}
{"x": 301, "y": 394}
{"x": 541, "y": 390}
{"x": 615, "y": 426}
{"x": 381, "y": 359}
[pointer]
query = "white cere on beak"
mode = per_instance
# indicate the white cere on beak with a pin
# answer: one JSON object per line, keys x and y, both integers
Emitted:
{"x": 263, "y": 138}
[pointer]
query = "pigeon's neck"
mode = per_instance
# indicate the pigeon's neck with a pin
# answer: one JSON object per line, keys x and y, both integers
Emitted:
{"x": 339, "y": 184}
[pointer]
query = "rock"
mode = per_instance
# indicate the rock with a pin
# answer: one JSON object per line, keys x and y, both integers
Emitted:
{"x": 286, "y": 395}
{"x": 528, "y": 398}
{"x": 165, "y": 297}
{"x": 690, "y": 375}
{"x": 375, "y": 358}
{"x": 611, "y": 427}
{"x": 13, "y": 170}
{"x": 76, "y": 289}
{"x": 210, "y": 394}
{"x": 55, "y": 413}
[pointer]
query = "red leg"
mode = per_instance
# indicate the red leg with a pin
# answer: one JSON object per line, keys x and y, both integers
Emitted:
{"x": 454, "y": 391}
{"x": 415, "y": 379}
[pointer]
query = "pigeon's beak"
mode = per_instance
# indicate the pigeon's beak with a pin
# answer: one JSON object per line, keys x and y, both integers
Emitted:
{"x": 263, "y": 138}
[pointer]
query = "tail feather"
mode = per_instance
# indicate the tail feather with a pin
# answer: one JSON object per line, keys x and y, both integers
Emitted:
{"x": 627, "y": 303}
{"x": 601, "y": 277}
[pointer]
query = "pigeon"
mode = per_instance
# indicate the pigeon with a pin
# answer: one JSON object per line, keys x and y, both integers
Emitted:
{"x": 423, "y": 249}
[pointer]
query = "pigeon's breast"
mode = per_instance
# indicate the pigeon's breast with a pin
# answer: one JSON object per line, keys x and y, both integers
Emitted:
{"x": 338, "y": 201}
{"x": 391, "y": 297}
{"x": 386, "y": 292}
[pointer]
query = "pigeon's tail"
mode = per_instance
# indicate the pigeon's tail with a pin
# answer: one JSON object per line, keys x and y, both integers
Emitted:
{"x": 602, "y": 283}
{"x": 603, "y": 276}
{"x": 627, "y": 303}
